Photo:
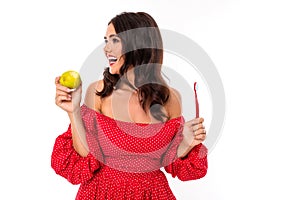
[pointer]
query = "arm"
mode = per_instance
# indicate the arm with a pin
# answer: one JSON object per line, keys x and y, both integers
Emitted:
{"x": 194, "y": 133}
{"x": 78, "y": 133}
{"x": 190, "y": 162}
{"x": 70, "y": 102}
{"x": 70, "y": 157}
{"x": 191, "y": 166}
{"x": 78, "y": 129}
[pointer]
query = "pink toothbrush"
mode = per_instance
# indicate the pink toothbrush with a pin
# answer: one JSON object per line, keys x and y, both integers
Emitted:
{"x": 196, "y": 99}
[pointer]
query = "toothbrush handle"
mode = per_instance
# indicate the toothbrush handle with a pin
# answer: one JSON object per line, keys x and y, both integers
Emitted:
{"x": 196, "y": 100}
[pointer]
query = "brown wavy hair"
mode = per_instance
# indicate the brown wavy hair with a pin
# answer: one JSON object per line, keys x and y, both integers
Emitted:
{"x": 142, "y": 48}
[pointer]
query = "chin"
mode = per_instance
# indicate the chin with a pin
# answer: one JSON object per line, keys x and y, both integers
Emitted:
{"x": 113, "y": 70}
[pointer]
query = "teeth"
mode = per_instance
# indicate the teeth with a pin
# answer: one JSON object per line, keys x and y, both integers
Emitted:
{"x": 112, "y": 59}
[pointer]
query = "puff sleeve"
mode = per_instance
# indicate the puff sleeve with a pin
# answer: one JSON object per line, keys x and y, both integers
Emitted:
{"x": 68, "y": 163}
{"x": 191, "y": 167}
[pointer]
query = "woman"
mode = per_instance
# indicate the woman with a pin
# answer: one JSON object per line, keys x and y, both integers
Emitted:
{"x": 130, "y": 124}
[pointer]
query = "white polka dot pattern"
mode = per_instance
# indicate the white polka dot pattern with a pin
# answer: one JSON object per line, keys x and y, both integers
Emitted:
{"x": 122, "y": 165}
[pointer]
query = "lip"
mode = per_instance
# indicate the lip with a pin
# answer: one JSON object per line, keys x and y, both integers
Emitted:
{"x": 111, "y": 64}
{"x": 111, "y": 59}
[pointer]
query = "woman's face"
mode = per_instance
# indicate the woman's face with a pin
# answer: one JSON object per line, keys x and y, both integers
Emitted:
{"x": 113, "y": 50}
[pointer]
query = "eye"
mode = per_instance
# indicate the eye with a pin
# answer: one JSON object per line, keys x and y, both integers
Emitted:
{"x": 106, "y": 41}
{"x": 115, "y": 40}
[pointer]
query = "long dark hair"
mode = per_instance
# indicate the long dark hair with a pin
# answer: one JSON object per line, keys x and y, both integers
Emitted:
{"x": 142, "y": 48}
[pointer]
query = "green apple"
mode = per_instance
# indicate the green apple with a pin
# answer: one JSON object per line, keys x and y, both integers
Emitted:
{"x": 70, "y": 79}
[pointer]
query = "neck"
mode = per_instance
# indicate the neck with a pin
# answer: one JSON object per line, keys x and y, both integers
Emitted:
{"x": 127, "y": 81}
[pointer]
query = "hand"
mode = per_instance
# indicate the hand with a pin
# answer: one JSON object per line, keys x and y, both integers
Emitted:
{"x": 194, "y": 132}
{"x": 67, "y": 99}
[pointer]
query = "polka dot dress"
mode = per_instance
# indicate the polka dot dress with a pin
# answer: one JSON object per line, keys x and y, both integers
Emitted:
{"x": 125, "y": 159}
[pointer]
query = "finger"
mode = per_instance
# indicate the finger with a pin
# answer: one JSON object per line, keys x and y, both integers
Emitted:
{"x": 57, "y": 79}
{"x": 189, "y": 123}
{"x": 200, "y": 120}
{"x": 198, "y": 126}
{"x": 200, "y": 138}
{"x": 197, "y": 121}
{"x": 62, "y": 88}
{"x": 78, "y": 89}
{"x": 200, "y": 132}
{"x": 62, "y": 93}
{"x": 61, "y": 98}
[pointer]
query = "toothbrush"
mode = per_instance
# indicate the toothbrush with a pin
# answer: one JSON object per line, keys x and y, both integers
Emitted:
{"x": 196, "y": 99}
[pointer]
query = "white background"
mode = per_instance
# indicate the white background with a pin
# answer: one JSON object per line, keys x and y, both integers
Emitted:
{"x": 254, "y": 45}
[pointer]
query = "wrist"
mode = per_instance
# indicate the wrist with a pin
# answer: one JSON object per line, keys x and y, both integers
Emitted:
{"x": 75, "y": 112}
{"x": 183, "y": 149}
{"x": 187, "y": 143}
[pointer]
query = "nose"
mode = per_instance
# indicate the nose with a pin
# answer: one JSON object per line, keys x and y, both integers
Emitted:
{"x": 107, "y": 48}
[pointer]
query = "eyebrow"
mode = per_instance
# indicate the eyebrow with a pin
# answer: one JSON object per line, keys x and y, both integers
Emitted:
{"x": 110, "y": 36}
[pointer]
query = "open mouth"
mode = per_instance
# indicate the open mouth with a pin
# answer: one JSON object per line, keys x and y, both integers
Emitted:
{"x": 112, "y": 60}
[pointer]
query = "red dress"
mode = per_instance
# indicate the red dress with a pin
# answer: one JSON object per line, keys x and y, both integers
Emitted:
{"x": 125, "y": 158}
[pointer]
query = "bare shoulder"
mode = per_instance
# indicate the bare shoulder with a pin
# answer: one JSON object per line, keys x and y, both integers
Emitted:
{"x": 173, "y": 105}
{"x": 91, "y": 99}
